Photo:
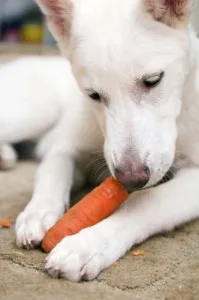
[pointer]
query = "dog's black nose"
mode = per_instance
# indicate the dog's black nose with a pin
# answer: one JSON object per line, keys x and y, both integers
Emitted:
{"x": 133, "y": 179}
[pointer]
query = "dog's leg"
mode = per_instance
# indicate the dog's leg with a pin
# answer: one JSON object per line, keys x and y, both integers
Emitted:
{"x": 149, "y": 212}
{"x": 54, "y": 181}
{"x": 8, "y": 157}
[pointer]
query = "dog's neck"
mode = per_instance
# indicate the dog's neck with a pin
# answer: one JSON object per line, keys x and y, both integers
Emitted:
{"x": 193, "y": 73}
{"x": 188, "y": 122}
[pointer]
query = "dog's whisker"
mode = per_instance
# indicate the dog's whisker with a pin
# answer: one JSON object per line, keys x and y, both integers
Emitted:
{"x": 98, "y": 152}
{"x": 103, "y": 174}
{"x": 95, "y": 171}
{"x": 95, "y": 160}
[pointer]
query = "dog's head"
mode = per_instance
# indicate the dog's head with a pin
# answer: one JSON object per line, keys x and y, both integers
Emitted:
{"x": 131, "y": 59}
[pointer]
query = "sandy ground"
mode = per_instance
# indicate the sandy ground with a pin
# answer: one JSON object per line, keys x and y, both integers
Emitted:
{"x": 169, "y": 269}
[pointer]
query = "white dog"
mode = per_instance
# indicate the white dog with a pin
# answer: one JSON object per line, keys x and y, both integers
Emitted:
{"x": 136, "y": 65}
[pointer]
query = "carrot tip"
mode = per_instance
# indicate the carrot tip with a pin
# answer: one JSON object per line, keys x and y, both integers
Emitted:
{"x": 6, "y": 223}
{"x": 138, "y": 252}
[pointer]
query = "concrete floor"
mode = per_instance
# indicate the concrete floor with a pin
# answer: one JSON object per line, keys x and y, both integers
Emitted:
{"x": 169, "y": 269}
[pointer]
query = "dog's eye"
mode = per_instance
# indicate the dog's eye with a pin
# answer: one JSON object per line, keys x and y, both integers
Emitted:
{"x": 153, "y": 81}
{"x": 95, "y": 96}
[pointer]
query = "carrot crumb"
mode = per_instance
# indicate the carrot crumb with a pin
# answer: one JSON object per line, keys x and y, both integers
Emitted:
{"x": 138, "y": 252}
{"x": 6, "y": 223}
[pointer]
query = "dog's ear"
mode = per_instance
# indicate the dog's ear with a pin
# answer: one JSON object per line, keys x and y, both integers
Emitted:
{"x": 174, "y": 13}
{"x": 59, "y": 16}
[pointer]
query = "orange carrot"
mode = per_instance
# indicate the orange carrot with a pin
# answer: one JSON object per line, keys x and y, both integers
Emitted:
{"x": 6, "y": 223}
{"x": 138, "y": 252}
{"x": 93, "y": 208}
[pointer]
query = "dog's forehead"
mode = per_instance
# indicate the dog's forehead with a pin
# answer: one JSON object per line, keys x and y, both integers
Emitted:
{"x": 112, "y": 34}
{"x": 104, "y": 9}
{"x": 132, "y": 50}
{"x": 122, "y": 46}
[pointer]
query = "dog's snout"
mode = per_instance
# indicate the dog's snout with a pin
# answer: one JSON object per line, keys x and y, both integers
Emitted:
{"x": 134, "y": 178}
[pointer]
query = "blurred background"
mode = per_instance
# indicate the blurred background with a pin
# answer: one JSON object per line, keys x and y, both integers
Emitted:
{"x": 22, "y": 23}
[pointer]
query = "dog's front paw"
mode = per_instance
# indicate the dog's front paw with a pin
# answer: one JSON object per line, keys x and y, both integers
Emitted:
{"x": 78, "y": 257}
{"x": 31, "y": 227}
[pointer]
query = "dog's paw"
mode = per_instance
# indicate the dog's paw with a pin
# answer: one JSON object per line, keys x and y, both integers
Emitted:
{"x": 8, "y": 157}
{"x": 78, "y": 257}
{"x": 31, "y": 227}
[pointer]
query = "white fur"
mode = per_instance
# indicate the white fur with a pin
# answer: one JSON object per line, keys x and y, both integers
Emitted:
{"x": 111, "y": 47}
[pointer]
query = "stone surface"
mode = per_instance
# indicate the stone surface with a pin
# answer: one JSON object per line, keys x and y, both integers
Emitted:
{"x": 168, "y": 270}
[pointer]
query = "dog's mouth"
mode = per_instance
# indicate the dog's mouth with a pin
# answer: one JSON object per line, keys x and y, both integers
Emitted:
{"x": 167, "y": 177}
